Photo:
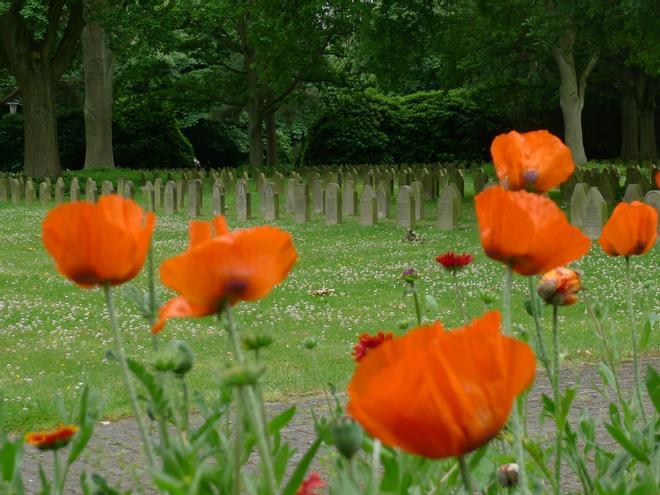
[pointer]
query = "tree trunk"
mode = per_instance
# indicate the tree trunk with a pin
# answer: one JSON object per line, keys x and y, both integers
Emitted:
{"x": 271, "y": 139}
{"x": 98, "y": 61}
{"x": 40, "y": 123}
{"x": 645, "y": 90}
{"x": 629, "y": 128}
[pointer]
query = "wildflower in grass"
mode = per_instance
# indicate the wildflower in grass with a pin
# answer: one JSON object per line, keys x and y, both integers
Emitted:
{"x": 51, "y": 439}
{"x": 560, "y": 286}
{"x": 98, "y": 244}
{"x": 631, "y": 230}
{"x": 242, "y": 265}
{"x": 368, "y": 342}
{"x": 535, "y": 161}
{"x": 440, "y": 394}
{"x": 409, "y": 275}
{"x": 452, "y": 261}
{"x": 311, "y": 484}
{"x": 526, "y": 231}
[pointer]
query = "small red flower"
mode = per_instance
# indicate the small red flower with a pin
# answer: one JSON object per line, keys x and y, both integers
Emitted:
{"x": 453, "y": 261}
{"x": 52, "y": 439}
{"x": 312, "y": 483}
{"x": 368, "y": 342}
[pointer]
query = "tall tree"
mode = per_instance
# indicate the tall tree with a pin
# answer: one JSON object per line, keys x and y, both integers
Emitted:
{"x": 38, "y": 41}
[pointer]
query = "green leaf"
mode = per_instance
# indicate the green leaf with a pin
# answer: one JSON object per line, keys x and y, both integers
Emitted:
{"x": 301, "y": 469}
{"x": 645, "y": 335}
{"x": 653, "y": 386}
{"x": 281, "y": 420}
{"x": 607, "y": 375}
{"x": 626, "y": 443}
{"x": 431, "y": 303}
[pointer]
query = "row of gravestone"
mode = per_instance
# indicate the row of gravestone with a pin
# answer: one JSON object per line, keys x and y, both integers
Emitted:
{"x": 589, "y": 209}
{"x": 608, "y": 181}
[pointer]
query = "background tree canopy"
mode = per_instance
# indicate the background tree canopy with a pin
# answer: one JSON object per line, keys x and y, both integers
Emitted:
{"x": 149, "y": 84}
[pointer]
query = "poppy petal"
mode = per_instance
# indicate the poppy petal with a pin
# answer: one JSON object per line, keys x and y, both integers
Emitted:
{"x": 178, "y": 307}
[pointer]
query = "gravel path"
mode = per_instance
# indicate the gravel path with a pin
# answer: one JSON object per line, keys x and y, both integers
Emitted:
{"x": 115, "y": 451}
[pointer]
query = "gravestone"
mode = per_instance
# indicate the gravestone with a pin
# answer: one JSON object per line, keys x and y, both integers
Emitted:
{"x": 317, "y": 195}
{"x": 91, "y": 192}
{"x": 180, "y": 193}
{"x": 416, "y": 188}
{"x": 653, "y": 198}
{"x": 457, "y": 201}
{"x": 121, "y": 186}
{"x": 158, "y": 192}
{"x": 59, "y": 191}
{"x": 578, "y": 199}
{"x": 107, "y": 187}
{"x": 74, "y": 190}
{"x": 148, "y": 196}
{"x": 129, "y": 189}
{"x": 595, "y": 214}
{"x": 447, "y": 208}
{"x": 633, "y": 193}
{"x": 194, "y": 196}
{"x": 44, "y": 193}
{"x": 479, "y": 180}
{"x": 368, "y": 206}
{"x": 243, "y": 201}
{"x": 218, "y": 194}
{"x": 271, "y": 202}
{"x": 291, "y": 195}
{"x": 405, "y": 208}
{"x": 4, "y": 188}
{"x": 383, "y": 201}
{"x": 30, "y": 193}
{"x": 607, "y": 187}
{"x": 169, "y": 198}
{"x": 333, "y": 204}
{"x": 301, "y": 205}
{"x": 349, "y": 199}
{"x": 15, "y": 191}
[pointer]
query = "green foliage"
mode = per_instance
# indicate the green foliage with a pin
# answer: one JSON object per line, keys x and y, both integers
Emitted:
{"x": 217, "y": 143}
{"x": 11, "y": 143}
{"x": 146, "y": 136}
{"x": 422, "y": 127}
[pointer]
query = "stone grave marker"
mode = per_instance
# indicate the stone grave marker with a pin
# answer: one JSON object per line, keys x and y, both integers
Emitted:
{"x": 243, "y": 201}
{"x": 290, "y": 203}
{"x": 317, "y": 195}
{"x": 301, "y": 204}
{"x": 59, "y": 191}
{"x": 74, "y": 190}
{"x": 4, "y": 188}
{"x": 121, "y": 186}
{"x": 405, "y": 208}
{"x": 180, "y": 193}
{"x": 653, "y": 198}
{"x": 218, "y": 197}
{"x": 333, "y": 204}
{"x": 91, "y": 192}
{"x": 416, "y": 188}
{"x": 15, "y": 191}
{"x": 368, "y": 206}
{"x": 595, "y": 214}
{"x": 30, "y": 193}
{"x": 633, "y": 193}
{"x": 129, "y": 189}
{"x": 448, "y": 205}
{"x": 169, "y": 198}
{"x": 271, "y": 202}
{"x": 349, "y": 199}
{"x": 44, "y": 193}
{"x": 158, "y": 192}
{"x": 578, "y": 199}
{"x": 107, "y": 187}
{"x": 148, "y": 196}
{"x": 194, "y": 195}
{"x": 383, "y": 201}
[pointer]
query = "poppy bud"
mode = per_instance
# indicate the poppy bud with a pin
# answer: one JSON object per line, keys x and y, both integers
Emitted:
{"x": 256, "y": 341}
{"x": 409, "y": 275}
{"x": 309, "y": 343}
{"x": 241, "y": 374}
{"x": 507, "y": 475}
{"x": 347, "y": 436}
{"x": 487, "y": 297}
{"x": 560, "y": 286}
{"x": 177, "y": 357}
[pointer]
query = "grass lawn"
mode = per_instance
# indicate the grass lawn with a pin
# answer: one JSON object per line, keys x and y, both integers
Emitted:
{"x": 53, "y": 336}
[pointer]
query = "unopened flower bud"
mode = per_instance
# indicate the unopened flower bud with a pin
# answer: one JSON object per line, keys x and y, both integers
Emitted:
{"x": 409, "y": 275}
{"x": 241, "y": 374}
{"x": 507, "y": 475}
{"x": 176, "y": 357}
{"x": 347, "y": 435}
{"x": 560, "y": 286}
{"x": 487, "y": 297}
{"x": 309, "y": 343}
{"x": 257, "y": 341}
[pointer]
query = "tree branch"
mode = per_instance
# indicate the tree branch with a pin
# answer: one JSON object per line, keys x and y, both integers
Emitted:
{"x": 582, "y": 84}
{"x": 70, "y": 39}
{"x": 54, "y": 15}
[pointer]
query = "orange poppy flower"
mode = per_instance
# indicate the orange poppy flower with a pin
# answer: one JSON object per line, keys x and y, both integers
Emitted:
{"x": 560, "y": 286}
{"x": 242, "y": 265}
{"x": 441, "y": 394}
{"x": 97, "y": 244}
{"x": 632, "y": 229}
{"x": 536, "y": 161}
{"x": 52, "y": 439}
{"x": 527, "y": 231}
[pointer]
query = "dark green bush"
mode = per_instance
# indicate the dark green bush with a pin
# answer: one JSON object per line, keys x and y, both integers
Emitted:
{"x": 218, "y": 143}
{"x": 11, "y": 142}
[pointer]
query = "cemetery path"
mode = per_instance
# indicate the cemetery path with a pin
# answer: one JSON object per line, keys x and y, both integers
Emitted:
{"x": 114, "y": 450}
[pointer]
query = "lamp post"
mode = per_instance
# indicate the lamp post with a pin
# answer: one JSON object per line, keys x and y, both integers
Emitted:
{"x": 13, "y": 106}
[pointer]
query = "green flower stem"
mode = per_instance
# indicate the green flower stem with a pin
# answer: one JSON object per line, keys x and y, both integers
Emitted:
{"x": 515, "y": 416}
{"x": 184, "y": 405}
{"x": 465, "y": 474}
{"x": 238, "y": 451}
{"x": 319, "y": 375}
{"x": 543, "y": 354}
{"x": 151, "y": 287}
{"x": 375, "y": 467}
{"x": 418, "y": 312}
{"x": 260, "y": 399}
{"x": 58, "y": 479}
{"x": 633, "y": 331}
{"x": 459, "y": 299}
{"x": 250, "y": 405}
{"x": 557, "y": 399}
{"x": 128, "y": 381}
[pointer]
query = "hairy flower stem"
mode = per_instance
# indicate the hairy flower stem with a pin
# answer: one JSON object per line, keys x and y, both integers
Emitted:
{"x": 418, "y": 312}
{"x": 375, "y": 467}
{"x": 58, "y": 481}
{"x": 151, "y": 287}
{"x": 633, "y": 331}
{"x": 465, "y": 474}
{"x": 559, "y": 414}
{"x": 543, "y": 354}
{"x": 250, "y": 405}
{"x": 128, "y": 381}
{"x": 515, "y": 416}
{"x": 459, "y": 299}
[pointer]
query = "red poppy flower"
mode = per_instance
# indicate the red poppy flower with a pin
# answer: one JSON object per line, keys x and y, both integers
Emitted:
{"x": 560, "y": 286}
{"x": 631, "y": 230}
{"x": 98, "y": 244}
{"x": 441, "y": 394}
{"x": 368, "y": 342}
{"x": 52, "y": 439}
{"x": 527, "y": 231}
{"x": 310, "y": 485}
{"x": 536, "y": 161}
{"x": 242, "y": 265}
{"x": 453, "y": 261}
